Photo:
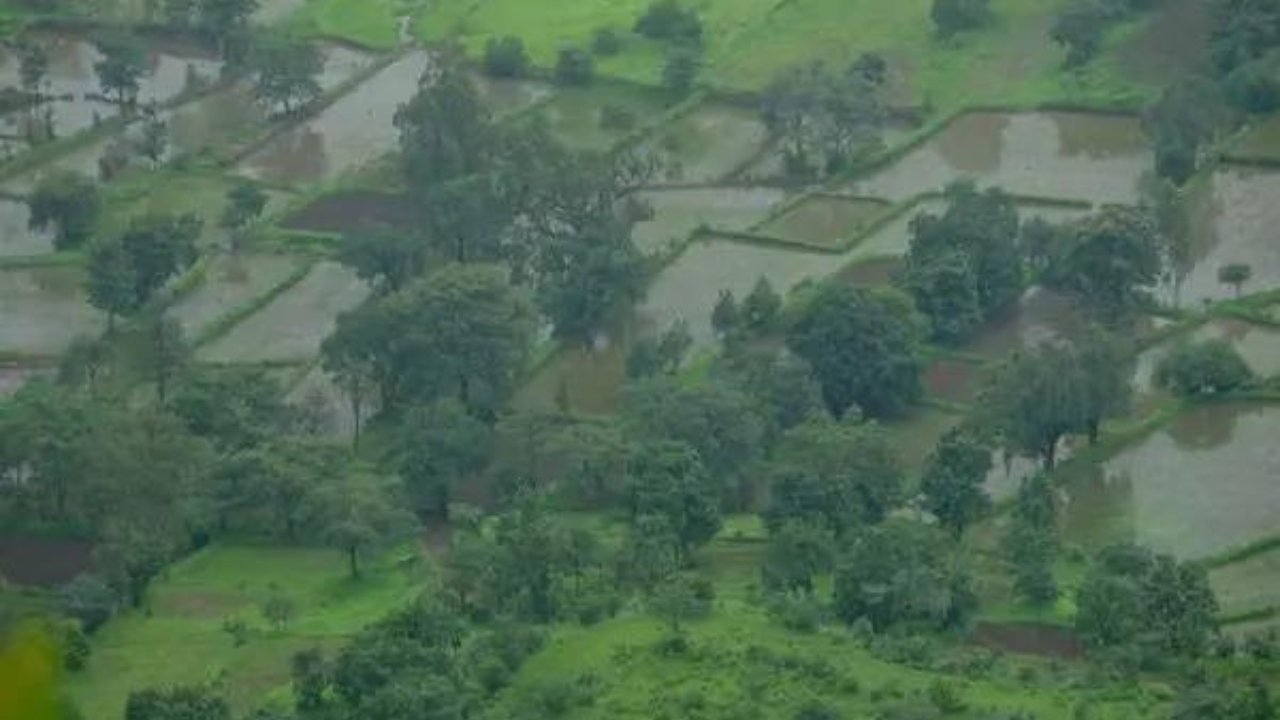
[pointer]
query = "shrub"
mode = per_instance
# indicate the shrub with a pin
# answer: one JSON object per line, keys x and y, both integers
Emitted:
{"x": 953, "y": 16}
{"x": 681, "y": 69}
{"x": 89, "y": 599}
{"x": 1206, "y": 368}
{"x": 606, "y": 42}
{"x": 666, "y": 20}
{"x": 574, "y": 66}
{"x": 505, "y": 57}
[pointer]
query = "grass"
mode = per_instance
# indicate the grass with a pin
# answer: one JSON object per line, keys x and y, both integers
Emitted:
{"x": 167, "y": 191}
{"x": 180, "y": 639}
{"x": 742, "y": 664}
{"x": 747, "y": 41}
{"x": 371, "y": 24}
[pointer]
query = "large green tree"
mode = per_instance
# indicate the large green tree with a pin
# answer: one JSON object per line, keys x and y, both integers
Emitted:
{"x": 1109, "y": 261}
{"x": 864, "y": 347}
{"x": 952, "y": 482}
{"x": 66, "y": 203}
{"x": 667, "y": 481}
{"x": 285, "y": 71}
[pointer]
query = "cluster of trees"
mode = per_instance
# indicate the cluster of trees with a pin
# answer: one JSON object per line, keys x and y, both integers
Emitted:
{"x": 1082, "y": 26}
{"x": 223, "y": 22}
{"x": 823, "y": 117}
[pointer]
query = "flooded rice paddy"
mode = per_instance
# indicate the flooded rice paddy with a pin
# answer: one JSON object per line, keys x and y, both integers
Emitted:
{"x": 173, "y": 68}
{"x": 1212, "y": 469}
{"x": 677, "y": 213}
{"x": 1249, "y": 585}
{"x": 42, "y": 310}
{"x": 1233, "y": 219}
{"x": 354, "y": 130}
{"x": 231, "y": 283}
{"x": 710, "y": 143}
{"x": 826, "y": 221}
{"x": 1069, "y": 156}
{"x": 16, "y": 239}
{"x": 292, "y": 326}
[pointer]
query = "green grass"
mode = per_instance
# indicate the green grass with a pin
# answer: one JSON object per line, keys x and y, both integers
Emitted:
{"x": 169, "y": 191}
{"x": 744, "y": 665}
{"x": 370, "y": 23}
{"x": 747, "y": 41}
{"x": 181, "y": 640}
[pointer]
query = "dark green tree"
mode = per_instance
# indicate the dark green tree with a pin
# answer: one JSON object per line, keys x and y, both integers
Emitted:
{"x": 120, "y": 71}
{"x": 285, "y": 71}
{"x": 440, "y": 445}
{"x": 1205, "y": 368}
{"x": 185, "y": 702}
{"x": 505, "y": 57}
{"x": 574, "y": 66}
{"x": 798, "y": 552}
{"x": 1031, "y": 541}
{"x": 952, "y": 482}
{"x": 66, "y": 203}
{"x": 667, "y": 480}
{"x": 1109, "y": 261}
{"x": 1080, "y": 28}
{"x": 361, "y": 514}
{"x": 864, "y": 347}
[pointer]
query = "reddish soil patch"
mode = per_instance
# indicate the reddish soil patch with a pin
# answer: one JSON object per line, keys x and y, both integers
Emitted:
{"x": 353, "y": 212}
{"x": 43, "y": 562}
{"x": 952, "y": 380}
{"x": 1028, "y": 639}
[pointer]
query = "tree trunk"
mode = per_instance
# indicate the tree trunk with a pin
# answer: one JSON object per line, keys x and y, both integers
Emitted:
{"x": 1095, "y": 427}
{"x": 353, "y": 561}
{"x": 356, "y": 407}
{"x": 1050, "y": 454}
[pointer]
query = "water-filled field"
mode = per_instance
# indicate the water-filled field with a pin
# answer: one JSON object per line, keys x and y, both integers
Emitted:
{"x": 1069, "y": 156}
{"x": 678, "y": 212}
{"x": 292, "y": 326}
{"x": 42, "y": 310}
{"x": 16, "y": 238}
{"x": 826, "y": 220}
{"x": 1212, "y": 469}
{"x": 710, "y": 143}
{"x": 354, "y": 130}
{"x": 230, "y": 283}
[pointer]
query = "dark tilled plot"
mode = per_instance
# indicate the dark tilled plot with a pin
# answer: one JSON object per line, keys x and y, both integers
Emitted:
{"x": 353, "y": 212}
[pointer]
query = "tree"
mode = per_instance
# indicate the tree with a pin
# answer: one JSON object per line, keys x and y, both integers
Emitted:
{"x": 505, "y": 57}
{"x": 585, "y": 276}
{"x": 1081, "y": 28}
{"x": 1188, "y": 114}
{"x": 111, "y": 280}
{"x": 245, "y": 203}
{"x": 953, "y": 16}
{"x": 1031, "y": 541}
{"x": 310, "y": 672}
{"x": 837, "y": 475}
{"x": 439, "y": 446}
{"x": 445, "y": 130}
{"x": 185, "y": 702}
{"x": 285, "y": 73}
{"x": 279, "y": 610}
{"x": 761, "y": 306}
{"x": 389, "y": 260}
{"x": 720, "y": 423}
{"x": 822, "y": 118}
{"x": 123, "y": 63}
{"x": 963, "y": 266}
{"x": 1034, "y": 402}
{"x": 675, "y": 600}
{"x": 89, "y": 600}
{"x": 1243, "y": 31}
{"x": 864, "y": 347}
{"x": 667, "y": 480}
{"x": 33, "y": 67}
{"x": 952, "y": 482}
{"x": 680, "y": 69}
{"x": 666, "y": 20}
{"x": 67, "y": 203}
{"x": 235, "y": 408}
{"x": 165, "y": 352}
{"x": 156, "y": 248}
{"x": 1109, "y": 260}
{"x": 902, "y": 571}
{"x": 798, "y": 551}
{"x": 1131, "y": 596}
{"x": 672, "y": 346}
{"x": 225, "y": 21}
{"x": 1235, "y": 275}
{"x": 574, "y": 66}
{"x": 153, "y": 139}
{"x": 1104, "y": 365}
{"x": 725, "y": 316}
{"x": 361, "y": 514}
{"x": 1206, "y": 368}
{"x": 461, "y": 331}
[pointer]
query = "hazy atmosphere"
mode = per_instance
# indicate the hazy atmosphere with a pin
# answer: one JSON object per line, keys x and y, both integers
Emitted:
{"x": 639, "y": 359}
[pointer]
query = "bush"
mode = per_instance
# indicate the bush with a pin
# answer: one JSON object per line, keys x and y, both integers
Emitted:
{"x": 606, "y": 42}
{"x": 666, "y": 20}
{"x": 89, "y": 599}
{"x": 574, "y": 66}
{"x": 505, "y": 57}
{"x": 953, "y": 16}
{"x": 1206, "y": 368}
{"x": 681, "y": 69}
{"x": 799, "y": 612}
{"x": 75, "y": 647}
